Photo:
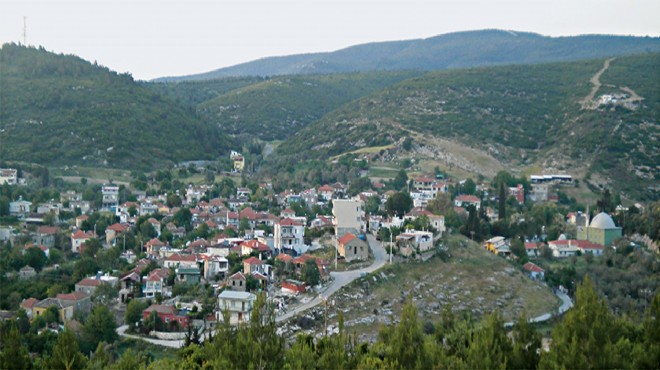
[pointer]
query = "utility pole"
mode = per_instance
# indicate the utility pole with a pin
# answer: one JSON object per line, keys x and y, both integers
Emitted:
{"x": 390, "y": 245}
{"x": 325, "y": 328}
{"x": 24, "y": 31}
{"x": 336, "y": 248}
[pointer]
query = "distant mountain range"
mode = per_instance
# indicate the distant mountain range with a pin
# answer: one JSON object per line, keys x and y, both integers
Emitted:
{"x": 453, "y": 50}
{"x": 62, "y": 110}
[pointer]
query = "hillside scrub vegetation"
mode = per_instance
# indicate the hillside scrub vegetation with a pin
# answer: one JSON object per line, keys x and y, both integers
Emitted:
{"x": 522, "y": 115}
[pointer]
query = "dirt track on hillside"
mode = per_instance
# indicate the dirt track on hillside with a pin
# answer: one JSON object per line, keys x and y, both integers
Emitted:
{"x": 588, "y": 101}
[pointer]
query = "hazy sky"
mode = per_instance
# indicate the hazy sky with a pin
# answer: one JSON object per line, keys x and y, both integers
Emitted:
{"x": 154, "y": 38}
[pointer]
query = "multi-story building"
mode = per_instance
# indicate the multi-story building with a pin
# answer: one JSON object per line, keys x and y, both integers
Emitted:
{"x": 348, "y": 216}
{"x": 237, "y": 304}
{"x": 110, "y": 197}
{"x": 289, "y": 234}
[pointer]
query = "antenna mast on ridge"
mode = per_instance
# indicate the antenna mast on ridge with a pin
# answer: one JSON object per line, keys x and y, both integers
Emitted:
{"x": 25, "y": 30}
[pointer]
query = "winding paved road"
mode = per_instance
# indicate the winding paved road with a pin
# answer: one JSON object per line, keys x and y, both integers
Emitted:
{"x": 161, "y": 342}
{"x": 341, "y": 279}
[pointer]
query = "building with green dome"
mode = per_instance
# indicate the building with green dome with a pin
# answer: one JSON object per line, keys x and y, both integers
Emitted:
{"x": 601, "y": 230}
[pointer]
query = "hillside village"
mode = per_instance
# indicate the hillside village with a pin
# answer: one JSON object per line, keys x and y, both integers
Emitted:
{"x": 477, "y": 199}
{"x": 191, "y": 257}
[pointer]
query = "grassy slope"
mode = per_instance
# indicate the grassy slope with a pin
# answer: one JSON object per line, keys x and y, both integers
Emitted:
{"x": 62, "y": 110}
{"x": 197, "y": 92}
{"x": 473, "y": 281}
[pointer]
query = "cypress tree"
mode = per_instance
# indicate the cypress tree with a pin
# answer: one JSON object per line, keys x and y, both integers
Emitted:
{"x": 501, "y": 210}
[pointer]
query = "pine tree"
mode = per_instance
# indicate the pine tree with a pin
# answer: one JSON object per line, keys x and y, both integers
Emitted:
{"x": 587, "y": 335}
{"x": 526, "y": 345}
{"x": 66, "y": 353}
{"x": 14, "y": 354}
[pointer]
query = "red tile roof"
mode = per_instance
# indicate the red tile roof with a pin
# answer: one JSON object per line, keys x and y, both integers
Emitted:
{"x": 581, "y": 244}
{"x": 346, "y": 238}
{"x": 28, "y": 303}
{"x": 237, "y": 276}
{"x": 48, "y": 230}
{"x": 290, "y": 222}
{"x": 199, "y": 243}
{"x": 259, "y": 276}
{"x": 284, "y": 257}
{"x": 159, "y": 274}
{"x": 467, "y": 198}
{"x": 82, "y": 235}
{"x": 529, "y": 266}
{"x": 253, "y": 261}
{"x": 117, "y": 227}
{"x": 154, "y": 243}
{"x": 256, "y": 245}
{"x": 161, "y": 309}
{"x": 531, "y": 245}
{"x": 73, "y": 296}
{"x": 89, "y": 282}
{"x": 182, "y": 257}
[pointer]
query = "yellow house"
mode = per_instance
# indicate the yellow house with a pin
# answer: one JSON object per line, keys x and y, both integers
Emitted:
{"x": 497, "y": 245}
{"x": 239, "y": 163}
{"x": 65, "y": 311}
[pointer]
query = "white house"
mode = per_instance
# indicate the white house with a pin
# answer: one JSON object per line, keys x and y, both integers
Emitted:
{"x": 414, "y": 240}
{"x": 289, "y": 234}
{"x": 563, "y": 248}
{"x": 237, "y": 304}
{"x": 8, "y": 176}
{"x": 20, "y": 207}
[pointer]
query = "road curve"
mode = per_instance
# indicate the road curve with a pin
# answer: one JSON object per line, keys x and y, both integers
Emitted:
{"x": 165, "y": 343}
{"x": 341, "y": 279}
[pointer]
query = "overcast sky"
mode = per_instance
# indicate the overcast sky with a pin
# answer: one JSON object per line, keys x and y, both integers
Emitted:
{"x": 155, "y": 38}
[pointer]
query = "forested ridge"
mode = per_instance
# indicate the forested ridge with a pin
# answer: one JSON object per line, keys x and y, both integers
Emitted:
{"x": 62, "y": 110}
{"x": 276, "y": 108}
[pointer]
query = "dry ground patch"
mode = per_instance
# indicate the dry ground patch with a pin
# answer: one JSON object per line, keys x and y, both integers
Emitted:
{"x": 472, "y": 281}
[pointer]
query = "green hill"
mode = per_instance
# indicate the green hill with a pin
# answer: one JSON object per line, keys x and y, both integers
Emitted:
{"x": 197, "y": 92}
{"x": 277, "y": 108}
{"x": 521, "y": 115}
{"x": 452, "y": 50}
{"x": 62, "y": 110}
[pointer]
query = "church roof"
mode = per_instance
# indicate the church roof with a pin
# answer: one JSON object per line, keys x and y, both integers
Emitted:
{"x": 602, "y": 221}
